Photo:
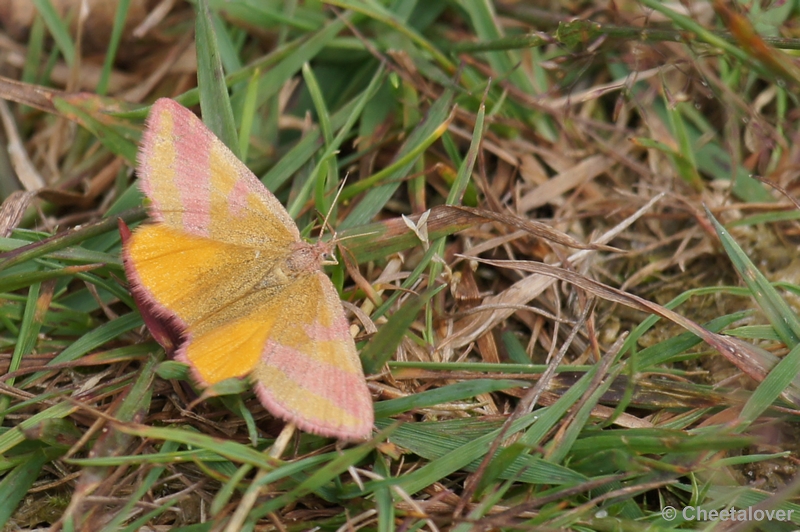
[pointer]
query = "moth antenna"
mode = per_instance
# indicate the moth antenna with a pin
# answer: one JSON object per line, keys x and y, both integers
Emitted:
{"x": 357, "y": 236}
{"x": 779, "y": 188}
{"x": 330, "y": 210}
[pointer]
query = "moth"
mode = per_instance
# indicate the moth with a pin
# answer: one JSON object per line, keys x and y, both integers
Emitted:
{"x": 224, "y": 266}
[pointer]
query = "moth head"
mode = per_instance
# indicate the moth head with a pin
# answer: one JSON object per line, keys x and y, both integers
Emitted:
{"x": 326, "y": 253}
{"x": 310, "y": 257}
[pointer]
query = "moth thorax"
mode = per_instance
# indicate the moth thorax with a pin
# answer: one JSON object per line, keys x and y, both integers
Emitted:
{"x": 307, "y": 257}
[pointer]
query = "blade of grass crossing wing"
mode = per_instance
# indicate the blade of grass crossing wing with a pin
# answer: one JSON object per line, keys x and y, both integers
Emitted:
{"x": 777, "y": 311}
{"x": 214, "y": 100}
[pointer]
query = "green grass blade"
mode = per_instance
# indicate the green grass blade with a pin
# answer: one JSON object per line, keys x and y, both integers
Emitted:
{"x": 15, "y": 436}
{"x": 431, "y": 129}
{"x": 483, "y": 18}
{"x": 33, "y": 57}
{"x": 384, "y": 344}
{"x": 58, "y": 29}
{"x": 116, "y": 140}
{"x": 214, "y": 100}
{"x": 94, "y": 339}
{"x": 113, "y": 45}
{"x": 320, "y": 477}
{"x": 779, "y": 379}
{"x": 15, "y": 485}
{"x": 380, "y": 13}
{"x": 459, "y": 458}
{"x": 443, "y": 395}
{"x": 248, "y": 115}
{"x": 777, "y": 311}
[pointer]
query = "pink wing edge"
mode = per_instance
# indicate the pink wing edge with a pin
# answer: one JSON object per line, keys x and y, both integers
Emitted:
{"x": 147, "y": 144}
{"x": 359, "y": 434}
{"x": 357, "y": 387}
{"x": 165, "y": 326}
{"x": 193, "y": 138}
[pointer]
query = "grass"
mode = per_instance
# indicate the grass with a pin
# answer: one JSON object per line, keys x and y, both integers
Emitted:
{"x": 577, "y": 298}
